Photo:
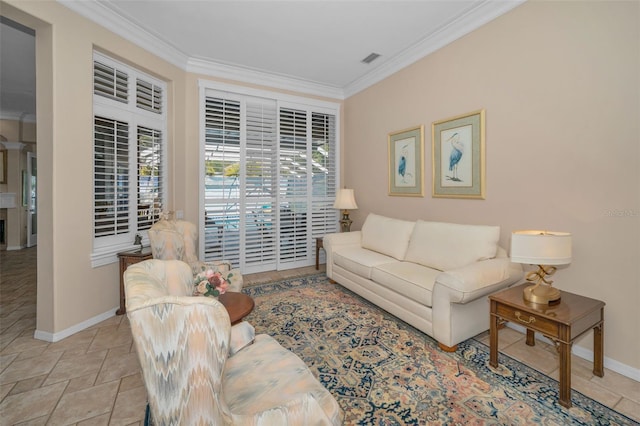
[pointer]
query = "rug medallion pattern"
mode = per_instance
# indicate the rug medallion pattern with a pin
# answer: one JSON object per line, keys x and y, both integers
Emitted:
{"x": 384, "y": 372}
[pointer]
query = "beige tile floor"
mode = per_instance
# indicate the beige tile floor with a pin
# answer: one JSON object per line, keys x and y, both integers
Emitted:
{"x": 93, "y": 377}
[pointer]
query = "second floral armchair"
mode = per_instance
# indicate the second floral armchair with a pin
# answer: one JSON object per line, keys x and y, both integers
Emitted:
{"x": 178, "y": 240}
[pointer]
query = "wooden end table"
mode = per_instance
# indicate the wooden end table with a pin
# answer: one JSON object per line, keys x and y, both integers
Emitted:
{"x": 319, "y": 245}
{"x": 129, "y": 258}
{"x": 238, "y": 305}
{"x": 563, "y": 323}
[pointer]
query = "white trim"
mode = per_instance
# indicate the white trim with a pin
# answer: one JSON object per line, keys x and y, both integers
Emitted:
{"x": 17, "y": 116}
{"x": 478, "y": 16}
{"x": 610, "y": 363}
{"x": 13, "y": 145}
{"x": 56, "y": 337}
{"x": 106, "y": 255}
{"x": 333, "y": 107}
{"x": 252, "y": 76}
{"x": 100, "y": 13}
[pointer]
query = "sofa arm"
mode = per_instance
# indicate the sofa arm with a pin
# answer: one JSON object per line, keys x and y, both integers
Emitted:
{"x": 331, "y": 242}
{"x": 476, "y": 280}
{"x": 459, "y": 309}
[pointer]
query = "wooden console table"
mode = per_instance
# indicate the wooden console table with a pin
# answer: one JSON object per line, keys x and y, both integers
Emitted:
{"x": 129, "y": 258}
{"x": 563, "y": 323}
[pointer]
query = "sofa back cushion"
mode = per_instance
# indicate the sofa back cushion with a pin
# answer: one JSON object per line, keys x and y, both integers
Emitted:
{"x": 386, "y": 235}
{"x": 446, "y": 246}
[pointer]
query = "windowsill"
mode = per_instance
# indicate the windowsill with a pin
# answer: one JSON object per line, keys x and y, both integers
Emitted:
{"x": 108, "y": 255}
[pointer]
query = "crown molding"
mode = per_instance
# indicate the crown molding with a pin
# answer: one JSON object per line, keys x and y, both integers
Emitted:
{"x": 99, "y": 13}
{"x": 479, "y": 15}
{"x": 272, "y": 80}
{"x": 475, "y": 18}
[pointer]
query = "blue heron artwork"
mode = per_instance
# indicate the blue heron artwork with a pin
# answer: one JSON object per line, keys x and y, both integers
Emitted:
{"x": 457, "y": 151}
{"x": 402, "y": 166}
{"x": 405, "y": 162}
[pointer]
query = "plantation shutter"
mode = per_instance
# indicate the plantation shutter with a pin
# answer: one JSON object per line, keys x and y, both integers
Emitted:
{"x": 222, "y": 180}
{"x": 270, "y": 179}
{"x": 110, "y": 82}
{"x": 150, "y": 177}
{"x": 324, "y": 183}
{"x": 260, "y": 186}
{"x": 111, "y": 177}
{"x": 129, "y": 156}
{"x": 293, "y": 186}
{"x": 148, "y": 96}
{"x": 240, "y": 181}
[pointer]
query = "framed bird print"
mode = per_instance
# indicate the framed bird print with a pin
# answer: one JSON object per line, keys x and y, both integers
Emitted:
{"x": 458, "y": 155}
{"x": 406, "y": 165}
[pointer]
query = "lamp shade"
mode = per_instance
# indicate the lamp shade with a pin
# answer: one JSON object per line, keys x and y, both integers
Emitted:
{"x": 345, "y": 200}
{"x": 541, "y": 247}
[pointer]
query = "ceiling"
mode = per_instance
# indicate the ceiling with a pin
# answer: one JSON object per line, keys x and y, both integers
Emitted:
{"x": 315, "y": 47}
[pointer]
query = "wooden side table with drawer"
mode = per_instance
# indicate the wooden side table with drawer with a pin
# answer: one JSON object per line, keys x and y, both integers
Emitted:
{"x": 562, "y": 322}
{"x": 129, "y": 258}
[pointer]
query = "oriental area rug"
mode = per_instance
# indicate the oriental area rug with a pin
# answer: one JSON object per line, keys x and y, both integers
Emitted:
{"x": 384, "y": 372}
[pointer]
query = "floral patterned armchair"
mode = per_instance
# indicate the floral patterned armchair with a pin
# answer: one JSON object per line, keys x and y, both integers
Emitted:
{"x": 178, "y": 239}
{"x": 197, "y": 369}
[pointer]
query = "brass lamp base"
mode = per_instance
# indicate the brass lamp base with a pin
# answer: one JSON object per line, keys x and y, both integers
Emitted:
{"x": 345, "y": 222}
{"x": 541, "y": 294}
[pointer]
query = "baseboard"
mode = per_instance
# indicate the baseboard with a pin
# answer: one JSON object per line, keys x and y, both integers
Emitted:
{"x": 56, "y": 337}
{"x": 611, "y": 364}
{"x": 10, "y": 248}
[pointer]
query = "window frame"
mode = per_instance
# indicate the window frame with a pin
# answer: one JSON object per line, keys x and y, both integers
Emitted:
{"x": 106, "y": 248}
{"x": 208, "y": 88}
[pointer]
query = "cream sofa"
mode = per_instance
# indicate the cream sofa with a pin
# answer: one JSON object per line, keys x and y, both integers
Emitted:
{"x": 433, "y": 275}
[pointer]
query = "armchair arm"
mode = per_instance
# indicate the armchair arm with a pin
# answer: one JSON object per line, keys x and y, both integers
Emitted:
{"x": 303, "y": 410}
{"x": 478, "y": 279}
{"x": 242, "y": 334}
{"x": 331, "y": 242}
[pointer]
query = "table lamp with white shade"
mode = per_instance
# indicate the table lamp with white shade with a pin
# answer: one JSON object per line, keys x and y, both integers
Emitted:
{"x": 345, "y": 201}
{"x": 545, "y": 249}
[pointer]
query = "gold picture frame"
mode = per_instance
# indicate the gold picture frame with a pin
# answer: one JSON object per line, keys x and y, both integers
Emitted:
{"x": 458, "y": 156}
{"x": 406, "y": 164}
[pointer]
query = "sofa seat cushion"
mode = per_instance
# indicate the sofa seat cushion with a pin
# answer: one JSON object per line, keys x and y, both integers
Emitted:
{"x": 360, "y": 261}
{"x": 409, "y": 279}
{"x": 386, "y": 235}
{"x": 447, "y": 246}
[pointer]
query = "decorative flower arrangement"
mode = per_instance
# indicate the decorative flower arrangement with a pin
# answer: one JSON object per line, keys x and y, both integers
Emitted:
{"x": 210, "y": 283}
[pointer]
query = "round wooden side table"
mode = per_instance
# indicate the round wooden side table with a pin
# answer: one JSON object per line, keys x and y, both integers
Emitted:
{"x": 238, "y": 305}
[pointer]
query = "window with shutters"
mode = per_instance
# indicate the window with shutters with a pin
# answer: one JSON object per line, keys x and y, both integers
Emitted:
{"x": 270, "y": 181}
{"x": 128, "y": 156}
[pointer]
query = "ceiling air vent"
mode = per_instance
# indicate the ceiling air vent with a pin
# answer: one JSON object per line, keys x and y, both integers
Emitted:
{"x": 372, "y": 57}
